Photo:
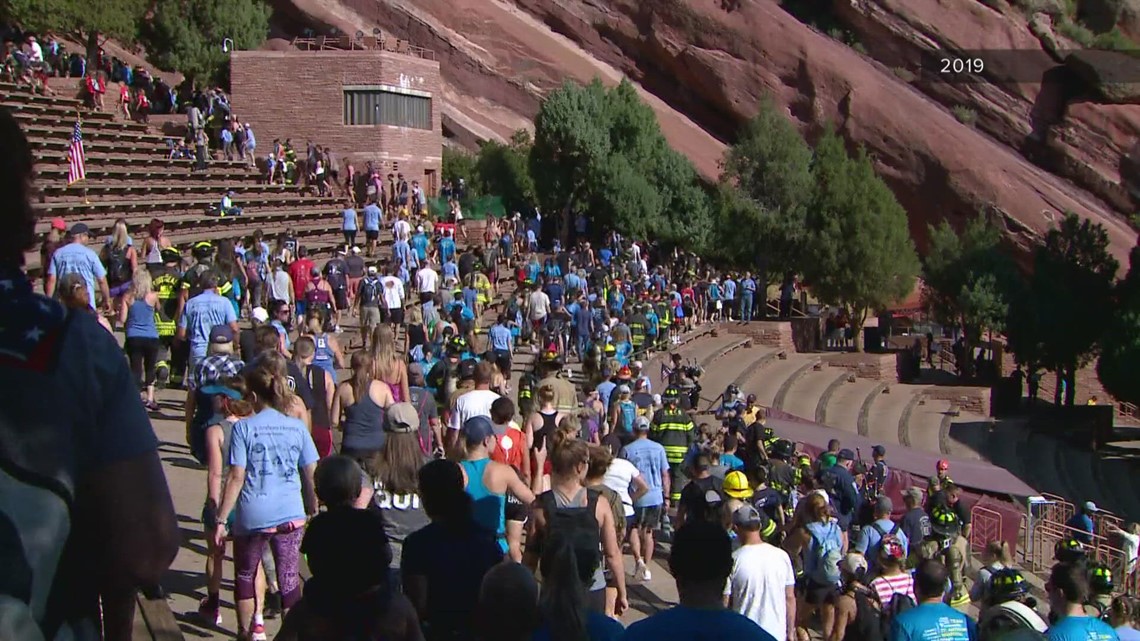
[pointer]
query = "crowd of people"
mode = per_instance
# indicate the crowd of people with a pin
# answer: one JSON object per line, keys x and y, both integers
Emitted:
{"x": 423, "y": 491}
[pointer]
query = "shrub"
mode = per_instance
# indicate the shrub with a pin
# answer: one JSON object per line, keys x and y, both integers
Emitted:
{"x": 964, "y": 114}
{"x": 904, "y": 74}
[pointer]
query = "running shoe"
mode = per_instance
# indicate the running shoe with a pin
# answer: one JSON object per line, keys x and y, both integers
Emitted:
{"x": 211, "y": 614}
{"x": 273, "y": 607}
{"x": 637, "y": 568}
{"x": 257, "y": 633}
{"x": 646, "y": 575}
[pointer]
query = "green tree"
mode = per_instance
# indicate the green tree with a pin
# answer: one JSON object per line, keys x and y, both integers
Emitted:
{"x": 967, "y": 280}
{"x": 459, "y": 163}
{"x": 504, "y": 170}
{"x": 861, "y": 254}
{"x": 1120, "y": 346}
{"x": 187, "y": 35}
{"x": 1069, "y": 302}
{"x": 118, "y": 19}
{"x": 771, "y": 164}
{"x": 600, "y": 152}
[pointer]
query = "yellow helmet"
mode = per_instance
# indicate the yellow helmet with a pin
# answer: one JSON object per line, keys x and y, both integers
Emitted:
{"x": 736, "y": 485}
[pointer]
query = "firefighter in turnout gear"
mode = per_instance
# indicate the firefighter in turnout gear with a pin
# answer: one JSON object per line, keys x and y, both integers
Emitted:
{"x": 638, "y": 326}
{"x": 1100, "y": 587}
{"x": 781, "y": 474}
{"x": 943, "y": 545}
{"x": 664, "y": 322}
{"x": 166, "y": 285}
{"x": 673, "y": 429}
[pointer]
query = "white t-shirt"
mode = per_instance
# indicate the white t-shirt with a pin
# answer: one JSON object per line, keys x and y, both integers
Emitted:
{"x": 427, "y": 281}
{"x": 618, "y": 477}
{"x": 1130, "y": 545}
{"x": 477, "y": 402}
{"x": 758, "y": 584}
{"x": 402, "y": 229}
{"x": 393, "y": 292}
{"x": 539, "y": 305}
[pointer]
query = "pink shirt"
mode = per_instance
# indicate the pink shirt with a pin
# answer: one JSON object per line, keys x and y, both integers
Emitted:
{"x": 888, "y": 586}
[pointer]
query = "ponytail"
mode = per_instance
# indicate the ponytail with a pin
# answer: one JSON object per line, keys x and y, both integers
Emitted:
{"x": 268, "y": 382}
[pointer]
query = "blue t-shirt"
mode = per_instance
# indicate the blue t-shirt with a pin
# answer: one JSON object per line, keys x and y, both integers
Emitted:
{"x": 933, "y": 621}
{"x": 1082, "y": 527}
{"x": 650, "y": 460}
{"x": 870, "y": 540}
{"x": 730, "y": 289}
{"x": 604, "y": 255}
{"x": 714, "y": 291}
{"x": 447, "y": 250}
{"x": 680, "y": 623}
{"x": 272, "y": 448}
{"x": 1081, "y": 628}
{"x": 605, "y": 389}
{"x": 599, "y": 627}
{"x": 349, "y": 219}
{"x": 748, "y": 285}
{"x": 75, "y": 258}
{"x": 1127, "y": 633}
{"x": 449, "y": 269}
{"x": 500, "y": 337}
{"x": 420, "y": 244}
{"x": 200, "y": 315}
{"x": 734, "y": 462}
{"x": 371, "y": 217}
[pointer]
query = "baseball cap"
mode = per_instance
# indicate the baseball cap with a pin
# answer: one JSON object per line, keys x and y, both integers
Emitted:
{"x": 466, "y": 369}
{"x": 638, "y": 365}
{"x": 260, "y": 314}
{"x": 845, "y": 455}
{"x": 419, "y": 227}
{"x": 79, "y": 228}
{"x": 623, "y": 389}
{"x": 372, "y": 269}
{"x": 402, "y": 418}
{"x": 878, "y": 450}
{"x": 884, "y": 504}
{"x": 747, "y": 516}
{"x": 853, "y": 563}
{"x": 58, "y": 223}
{"x": 656, "y": 399}
{"x": 216, "y": 390}
{"x": 355, "y": 250}
{"x": 476, "y": 430}
{"x": 1091, "y": 507}
{"x": 315, "y": 271}
{"x": 641, "y": 424}
{"x": 221, "y": 334}
{"x": 913, "y": 493}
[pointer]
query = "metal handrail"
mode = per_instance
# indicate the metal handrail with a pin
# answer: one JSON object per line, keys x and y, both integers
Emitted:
{"x": 345, "y": 43}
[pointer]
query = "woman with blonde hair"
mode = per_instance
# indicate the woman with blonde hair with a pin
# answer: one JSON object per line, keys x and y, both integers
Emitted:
{"x": 359, "y": 409}
{"x": 121, "y": 261}
{"x": 387, "y": 365}
{"x": 141, "y": 330}
{"x": 72, "y": 292}
{"x": 995, "y": 556}
{"x": 813, "y": 533}
{"x": 328, "y": 355}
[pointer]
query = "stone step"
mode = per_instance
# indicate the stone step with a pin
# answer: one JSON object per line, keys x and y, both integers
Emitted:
{"x": 804, "y": 395}
{"x": 886, "y": 410}
{"x": 734, "y": 368}
{"x": 846, "y": 402}
{"x": 766, "y": 382}
{"x": 965, "y": 435}
{"x": 923, "y": 425}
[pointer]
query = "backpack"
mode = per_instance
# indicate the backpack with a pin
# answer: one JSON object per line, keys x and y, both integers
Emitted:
{"x": 898, "y": 604}
{"x": 869, "y": 620}
{"x": 892, "y": 535}
{"x": 823, "y": 554}
{"x": 253, "y": 273}
{"x": 335, "y": 275}
{"x": 118, "y": 267}
{"x": 578, "y": 527}
{"x": 369, "y": 291}
{"x": 627, "y": 412}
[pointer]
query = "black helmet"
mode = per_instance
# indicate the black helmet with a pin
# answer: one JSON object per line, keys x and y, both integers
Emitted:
{"x": 944, "y": 521}
{"x": 671, "y": 394}
{"x": 1069, "y": 550}
{"x": 456, "y": 346}
{"x": 1100, "y": 578}
{"x": 767, "y": 433}
{"x": 1007, "y": 584}
{"x": 731, "y": 392}
{"x": 202, "y": 249}
{"x": 171, "y": 255}
{"x": 783, "y": 449}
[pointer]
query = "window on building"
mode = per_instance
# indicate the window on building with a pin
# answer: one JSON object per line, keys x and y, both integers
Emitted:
{"x": 384, "y": 107}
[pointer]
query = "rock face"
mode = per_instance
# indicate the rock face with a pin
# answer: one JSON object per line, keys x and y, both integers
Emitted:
{"x": 704, "y": 64}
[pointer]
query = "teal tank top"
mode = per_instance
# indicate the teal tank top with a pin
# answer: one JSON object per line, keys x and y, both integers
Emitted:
{"x": 488, "y": 506}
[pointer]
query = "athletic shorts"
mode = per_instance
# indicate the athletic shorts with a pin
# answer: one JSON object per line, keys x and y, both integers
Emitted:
{"x": 341, "y": 296}
{"x": 369, "y": 316}
{"x": 648, "y": 517}
{"x": 119, "y": 290}
{"x": 396, "y": 315}
{"x": 372, "y": 234}
{"x": 514, "y": 510}
{"x": 814, "y": 593}
{"x": 299, "y": 307}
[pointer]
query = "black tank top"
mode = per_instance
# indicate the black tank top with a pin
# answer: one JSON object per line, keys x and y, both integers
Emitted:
{"x": 320, "y": 410}
{"x": 547, "y": 430}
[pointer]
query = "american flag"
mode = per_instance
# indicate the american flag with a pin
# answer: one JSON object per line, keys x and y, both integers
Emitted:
{"x": 76, "y": 159}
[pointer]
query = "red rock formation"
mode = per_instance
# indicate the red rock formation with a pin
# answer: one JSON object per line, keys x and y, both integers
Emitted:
{"x": 710, "y": 66}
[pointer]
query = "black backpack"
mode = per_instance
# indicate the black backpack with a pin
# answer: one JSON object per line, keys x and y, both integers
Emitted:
{"x": 118, "y": 267}
{"x": 369, "y": 291}
{"x": 578, "y": 526}
{"x": 869, "y": 620}
{"x": 899, "y": 603}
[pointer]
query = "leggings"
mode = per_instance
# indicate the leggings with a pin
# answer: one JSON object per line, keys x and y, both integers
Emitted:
{"x": 350, "y": 237}
{"x": 286, "y": 548}
{"x": 143, "y": 354}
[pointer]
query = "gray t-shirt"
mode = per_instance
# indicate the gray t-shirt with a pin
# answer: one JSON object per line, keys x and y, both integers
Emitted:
{"x": 403, "y": 514}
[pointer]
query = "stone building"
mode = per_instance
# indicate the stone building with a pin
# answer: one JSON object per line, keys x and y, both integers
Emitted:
{"x": 366, "y": 100}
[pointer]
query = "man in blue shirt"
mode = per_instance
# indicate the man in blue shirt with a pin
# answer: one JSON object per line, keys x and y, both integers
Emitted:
{"x": 931, "y": 618}
{"x": 446, "y": 247}
{"x": 583, "y": 327}
{"x": 76, "y": 258}
{"x": 1068, "y": 589}
{"x": 1081, "y": 523}
{"x": 373, "y": 218}
{"x": 729, "y": 297}
{"x": 747, "y": 294}
{"x": 648, "y": 457}
{"x": 872, "y": 536}
{"x": 201, "y": 314}
{"x": 500, "y": 338}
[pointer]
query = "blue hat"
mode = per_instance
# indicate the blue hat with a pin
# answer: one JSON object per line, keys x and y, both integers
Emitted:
{"x": 216, "y": 389}
{"x": 476, "y": 430}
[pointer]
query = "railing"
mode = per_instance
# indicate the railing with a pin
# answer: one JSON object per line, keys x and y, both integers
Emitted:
{"x": 986, "y": 526}
{"x": 363, "y": 43}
